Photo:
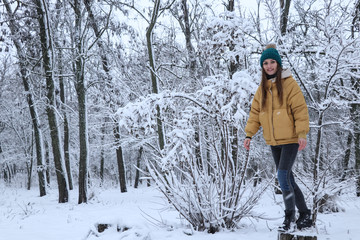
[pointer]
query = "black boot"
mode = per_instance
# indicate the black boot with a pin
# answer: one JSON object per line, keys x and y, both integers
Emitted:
{"x": 289, "y": 219}
{"x": 304, "y": 220}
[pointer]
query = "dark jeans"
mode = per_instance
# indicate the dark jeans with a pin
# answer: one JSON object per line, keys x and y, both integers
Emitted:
{"x": 284, "y": 157}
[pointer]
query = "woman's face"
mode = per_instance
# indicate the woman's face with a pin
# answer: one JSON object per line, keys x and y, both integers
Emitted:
{"x": 270, "y": 66}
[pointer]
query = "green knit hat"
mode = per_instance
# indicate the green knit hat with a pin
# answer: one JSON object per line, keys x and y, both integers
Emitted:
{"x": 270, "y": 52}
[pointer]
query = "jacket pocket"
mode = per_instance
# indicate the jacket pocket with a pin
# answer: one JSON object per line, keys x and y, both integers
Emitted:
{"x": 283, "y": 127}
{"x": 264, "y": 122}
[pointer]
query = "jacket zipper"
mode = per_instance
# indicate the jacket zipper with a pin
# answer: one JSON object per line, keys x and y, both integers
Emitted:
{"x": 272, "y": 121}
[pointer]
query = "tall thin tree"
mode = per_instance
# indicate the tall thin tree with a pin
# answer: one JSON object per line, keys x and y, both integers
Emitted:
{"x": 48, "y": 64}
{"x": 25, "y": 75}
{"x": 107, "y": 81}
{"x": 80, "y": 84}
{"x": 60, "y": 60}
{"x": 355, "y": 108}
{"x": 154, "y": 78}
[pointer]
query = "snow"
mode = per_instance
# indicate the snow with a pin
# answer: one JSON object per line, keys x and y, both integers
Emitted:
{"x": 145, "y": 214}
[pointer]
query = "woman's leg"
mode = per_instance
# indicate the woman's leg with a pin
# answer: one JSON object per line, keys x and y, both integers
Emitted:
{"x": 299, "y": 197}
{"x": 284, "y": 157}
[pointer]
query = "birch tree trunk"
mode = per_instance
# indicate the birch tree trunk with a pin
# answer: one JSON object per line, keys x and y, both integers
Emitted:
{"x": 25, "y": 74}
{"x": 48, "y": 63}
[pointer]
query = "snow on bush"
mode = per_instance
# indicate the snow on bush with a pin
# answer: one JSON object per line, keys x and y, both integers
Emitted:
{"x": 200, "y": 170}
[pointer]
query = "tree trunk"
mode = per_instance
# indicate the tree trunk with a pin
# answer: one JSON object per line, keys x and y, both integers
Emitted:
{"x": 154, "y": 81}
{"x": 233, "y": 63}
{"x": 7, "y": 173}
{"x": 48, "y": 55}
{"x": 66, "y": 125}
{"x": 67, "y": 151}
{"x": 41, "y": 168}
{"x": 83, "y": 137}
{"x": 233, "y": 67}
{"x": 199, "y": 161}
{"x": 97, "y": 32}
{"x": 208, "y": 154}
{"x": 59, "y": 7}
{"x": 357, "y": 159}
{"x": 148, "y": 180}
{"x": 120, "y": 160}
{"x": 356, "y": 116}
{"x": 284, "y": 15}
{"x": 82, "y": 103}
{"x": 29, "y": 165}
{"x": 47, "y": 160}
{"x": 317, "y": 168}
{"x": 187, "y": 32}
{"x": 102, "y": 160}
{"x": 137, "y": 175}
{"x": 231, "y": 5}
{"x": 107, "y": 79}
{"x": 346, "y": 159}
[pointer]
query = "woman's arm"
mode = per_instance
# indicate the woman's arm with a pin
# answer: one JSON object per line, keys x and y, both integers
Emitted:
{"x": 299, "y": 109}
{"x": 253, "y": 123}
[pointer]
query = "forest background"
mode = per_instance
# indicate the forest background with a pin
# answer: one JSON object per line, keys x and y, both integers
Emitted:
{"x": 108, "y": 93}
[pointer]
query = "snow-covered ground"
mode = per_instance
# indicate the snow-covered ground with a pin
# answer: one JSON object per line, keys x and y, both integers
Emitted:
{"x": 145, "y": 215}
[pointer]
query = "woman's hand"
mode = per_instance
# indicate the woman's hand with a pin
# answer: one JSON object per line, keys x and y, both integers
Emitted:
{"x": 302, "y": 143}
{"x": 247, "y": 143}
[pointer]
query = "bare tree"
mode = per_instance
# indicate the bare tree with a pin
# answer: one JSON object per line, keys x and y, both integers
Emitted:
{"x": 60, "y": 60}
{"x": 154, "y": 78}
{"x": 80, "y": 85}
{"x": 48, "y": 56}
{"x": 107, "y": 78}
{"x": 355, "y": 107}
{"x": 25, "y": 75}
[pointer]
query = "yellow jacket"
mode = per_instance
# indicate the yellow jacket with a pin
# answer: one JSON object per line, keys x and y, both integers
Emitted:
{"x": 281, "y": 124}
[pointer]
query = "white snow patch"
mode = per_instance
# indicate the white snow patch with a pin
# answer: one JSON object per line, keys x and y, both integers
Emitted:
{"x": 144, "y": 214}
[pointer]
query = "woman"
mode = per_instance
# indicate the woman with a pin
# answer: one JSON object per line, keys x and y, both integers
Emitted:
{"x": 280, "y": 109}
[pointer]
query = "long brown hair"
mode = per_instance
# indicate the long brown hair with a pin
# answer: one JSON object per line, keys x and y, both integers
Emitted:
{"x": 278, "y": 86}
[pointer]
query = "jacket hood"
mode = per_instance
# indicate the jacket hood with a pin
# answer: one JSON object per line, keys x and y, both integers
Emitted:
{"x": 284, "y": 74}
